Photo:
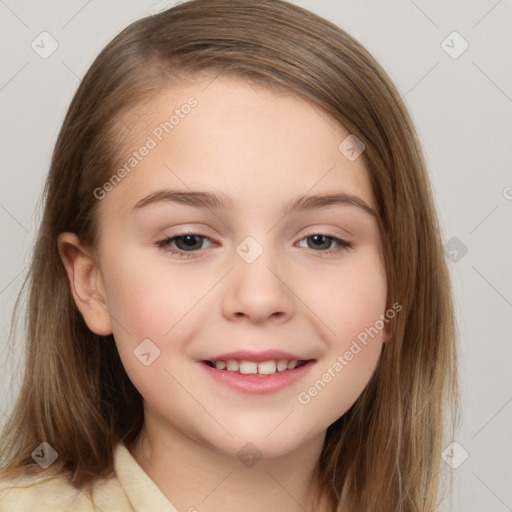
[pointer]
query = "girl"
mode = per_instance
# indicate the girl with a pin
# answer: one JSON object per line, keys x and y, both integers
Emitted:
{"x": 300, "y": 351}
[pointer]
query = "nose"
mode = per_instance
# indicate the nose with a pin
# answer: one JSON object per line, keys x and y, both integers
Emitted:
{"x": 258, "y": 292}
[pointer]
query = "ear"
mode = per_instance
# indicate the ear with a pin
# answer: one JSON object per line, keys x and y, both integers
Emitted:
{"x": 86, "y": 283}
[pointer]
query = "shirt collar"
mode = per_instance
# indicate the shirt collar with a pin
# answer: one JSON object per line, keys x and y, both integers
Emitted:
{"x": 143, "y": 494}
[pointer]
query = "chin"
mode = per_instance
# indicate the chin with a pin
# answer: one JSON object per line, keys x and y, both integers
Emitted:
{"x": 256, "y": 442}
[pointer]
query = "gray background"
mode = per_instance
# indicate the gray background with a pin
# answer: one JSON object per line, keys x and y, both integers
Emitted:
{"x": 462, "y": 109}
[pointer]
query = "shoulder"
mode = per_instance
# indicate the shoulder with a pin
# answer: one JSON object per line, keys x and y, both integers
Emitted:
{"x": 55, "y": 493}
{"x": 38, "y": 493}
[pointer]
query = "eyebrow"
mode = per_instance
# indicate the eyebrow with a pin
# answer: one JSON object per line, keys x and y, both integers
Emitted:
{"x": 209, "y": 200}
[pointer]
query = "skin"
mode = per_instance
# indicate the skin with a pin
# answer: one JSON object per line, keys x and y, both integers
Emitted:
{"x": 262, "y": 149}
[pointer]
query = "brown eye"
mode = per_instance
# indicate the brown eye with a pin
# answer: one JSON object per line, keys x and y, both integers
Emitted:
{"x": 188, "y": 242}
{"x": 184, "y": 245}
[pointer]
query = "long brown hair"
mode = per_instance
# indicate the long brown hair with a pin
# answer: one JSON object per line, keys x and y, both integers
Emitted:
{"x": 384, "y": 453}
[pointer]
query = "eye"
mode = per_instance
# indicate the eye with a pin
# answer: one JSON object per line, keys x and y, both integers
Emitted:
{"x": 186, "y": 244}
{"x": 324, "y": 241}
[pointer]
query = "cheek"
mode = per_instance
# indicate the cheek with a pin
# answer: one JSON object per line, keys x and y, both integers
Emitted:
{"x": 149, "y": 304}
{"x": 354, "y": 315}
{"x": 146, "y": 300}
{"x": 353, "y": 299}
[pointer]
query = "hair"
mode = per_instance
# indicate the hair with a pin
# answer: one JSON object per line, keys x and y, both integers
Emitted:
{"x": 384, "y": 452}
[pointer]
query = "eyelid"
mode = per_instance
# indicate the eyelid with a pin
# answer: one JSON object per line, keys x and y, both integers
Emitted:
{"x": 343, "y": 244}
{"x": 310, "y": 231}
{"x": 164, "y": 244}
{"x": 326, "y": 232}
{"x": 178, "y": 234}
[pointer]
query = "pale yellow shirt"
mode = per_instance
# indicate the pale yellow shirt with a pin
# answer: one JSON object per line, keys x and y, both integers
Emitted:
{"x": 131, "y": 490}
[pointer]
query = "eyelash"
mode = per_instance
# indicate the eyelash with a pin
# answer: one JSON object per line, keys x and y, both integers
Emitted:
{"x": 164, "y": 244}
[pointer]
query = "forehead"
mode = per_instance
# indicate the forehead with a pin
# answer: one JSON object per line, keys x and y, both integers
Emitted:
{"x": 238, "y": 137}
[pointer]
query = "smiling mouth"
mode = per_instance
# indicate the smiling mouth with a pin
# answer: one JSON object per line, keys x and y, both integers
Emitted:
{"x": 270, "y": 367}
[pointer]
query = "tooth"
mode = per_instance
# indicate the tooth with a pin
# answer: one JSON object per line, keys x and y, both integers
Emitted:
{"x": 267, "y": 368}
{"x": 292, "y": 365}
{"x": 248, "y": 367}
{"x": 220, "y": 365}
{"x": 282, "y": 365}
{"x": 232, "y": 365}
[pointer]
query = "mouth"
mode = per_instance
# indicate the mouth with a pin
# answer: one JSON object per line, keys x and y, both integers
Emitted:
{"x": 257, "y": 373}
{"x": 259, "y": 368}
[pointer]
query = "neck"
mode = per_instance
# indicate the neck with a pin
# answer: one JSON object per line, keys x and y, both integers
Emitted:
{"x": 194, "y": 476}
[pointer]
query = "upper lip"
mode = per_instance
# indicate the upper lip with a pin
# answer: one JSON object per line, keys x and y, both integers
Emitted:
{"x": 257, "y": 357}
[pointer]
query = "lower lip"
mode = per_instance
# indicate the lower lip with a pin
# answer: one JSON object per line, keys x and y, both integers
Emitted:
{"x": 256, "y": 384}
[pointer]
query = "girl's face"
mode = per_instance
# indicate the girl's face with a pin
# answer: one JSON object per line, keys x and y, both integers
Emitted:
{"x": 229, "y": 240}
